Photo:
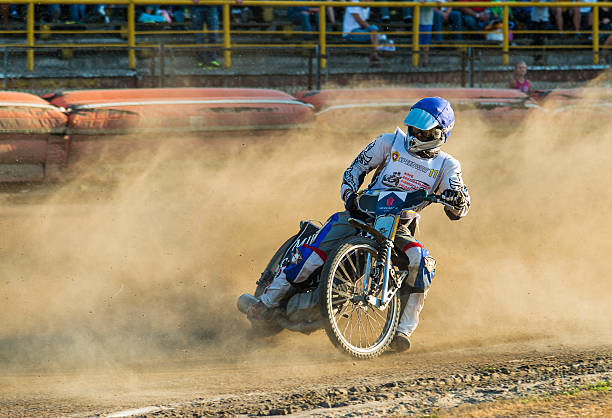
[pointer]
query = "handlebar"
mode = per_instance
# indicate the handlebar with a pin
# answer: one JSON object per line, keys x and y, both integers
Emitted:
{"x": 367, "y": 202}
{"x": 437, "y": 198}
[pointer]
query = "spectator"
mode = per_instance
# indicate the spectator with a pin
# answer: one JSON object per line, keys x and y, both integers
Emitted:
{"x": 55, "y": 12}
{"x": 605, "y": 39}
{"x": 582, "y": 17}
{"x": 385, "y": 14}
{"x": 77, "y": 12}
{"x": 519, "y": 80}
{"x": 540, "y": 20}
{"x": 558, "y": 13}
{"x": 426, "y": 17}
{"x": 305, "y": 17}
{"x": 206, "y": 58}
{"x": 151, "y": 15}
{"x": 475, "y": 18}
{"x": 355, "y": 28}
{"x": 521, "y": 16}
{"x": 445, "y": 16}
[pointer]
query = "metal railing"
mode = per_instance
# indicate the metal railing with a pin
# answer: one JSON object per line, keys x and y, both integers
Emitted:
{"x": 129, "y": 30}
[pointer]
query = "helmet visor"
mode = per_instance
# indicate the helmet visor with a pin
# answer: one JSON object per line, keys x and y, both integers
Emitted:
{"x": 433, "y": 134}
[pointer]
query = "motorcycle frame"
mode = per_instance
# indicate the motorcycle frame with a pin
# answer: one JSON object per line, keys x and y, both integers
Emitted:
{"x": 385, "y": 243}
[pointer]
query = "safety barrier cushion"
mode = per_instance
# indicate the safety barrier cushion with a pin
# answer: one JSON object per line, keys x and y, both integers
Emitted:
{"x": 33, "y": 146}
{"x": 365, "y": 107}
{"x": 123, "y": 111}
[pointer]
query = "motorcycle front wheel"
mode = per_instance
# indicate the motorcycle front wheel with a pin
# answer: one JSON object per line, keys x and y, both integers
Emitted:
{"x": 353, "y": 325}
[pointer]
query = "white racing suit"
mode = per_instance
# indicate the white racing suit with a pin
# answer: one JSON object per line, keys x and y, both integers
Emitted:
{"x": 396, "y": 167}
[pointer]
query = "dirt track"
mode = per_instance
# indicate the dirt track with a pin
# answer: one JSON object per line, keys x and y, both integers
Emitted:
{"x": 420, "y": 383}
{"x": 118, "y": 286}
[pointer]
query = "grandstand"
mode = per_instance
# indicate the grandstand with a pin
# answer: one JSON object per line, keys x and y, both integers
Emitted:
{"x": 266, "y": 51}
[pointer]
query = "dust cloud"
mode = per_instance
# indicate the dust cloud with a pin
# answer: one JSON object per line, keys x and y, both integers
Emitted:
{"x": 142, "y": 254}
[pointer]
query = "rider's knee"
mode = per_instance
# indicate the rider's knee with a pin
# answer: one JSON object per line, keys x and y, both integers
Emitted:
{"x": 304, "y": 261}
{"x": 422, "y": 268}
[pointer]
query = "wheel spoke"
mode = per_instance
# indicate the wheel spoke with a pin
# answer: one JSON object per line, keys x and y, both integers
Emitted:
{"x": 360, "y": 328}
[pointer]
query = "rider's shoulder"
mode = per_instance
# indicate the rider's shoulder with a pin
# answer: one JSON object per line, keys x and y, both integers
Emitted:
{"x": 449, "y": 159}
{"x": 391, "y": 136}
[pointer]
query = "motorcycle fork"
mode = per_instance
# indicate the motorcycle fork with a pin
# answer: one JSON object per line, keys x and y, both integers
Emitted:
{"x": 386, "y": 267}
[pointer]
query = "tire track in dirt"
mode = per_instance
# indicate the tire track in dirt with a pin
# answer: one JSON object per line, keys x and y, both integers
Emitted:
{"x": 470, "y": 382}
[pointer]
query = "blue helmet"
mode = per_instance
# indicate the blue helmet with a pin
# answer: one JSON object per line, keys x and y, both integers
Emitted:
{"x": 430, "y": 122}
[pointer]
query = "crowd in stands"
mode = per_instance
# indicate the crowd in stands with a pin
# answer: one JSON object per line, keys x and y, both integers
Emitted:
{"x": 357, "y": 24}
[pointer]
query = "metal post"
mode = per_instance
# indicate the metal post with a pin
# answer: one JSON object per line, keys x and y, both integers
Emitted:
{"x": 131, "y": 16}
{"x": 30, "y": 30}
{"x": 322, "y": 40}
{"x": 471, "y": 66}
{"x": 311, "y": 56}
{"x": 227, "y": 42}
{"x": 479, "y": 68}
{"x": 319, "y": 62}
{"x": 162, "y": 65}
{"x": 171, "y": 52}
{"x": 415, "y": 35}
{"x": 506, "y": 34}
{"x": 463, "y": 65}
{"x": 5, "y": 68}
{"x": 595, "y": 34}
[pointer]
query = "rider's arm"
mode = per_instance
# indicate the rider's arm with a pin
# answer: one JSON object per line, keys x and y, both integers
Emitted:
{"x": 367, "y": 160}
{"x": 451, "y": 179}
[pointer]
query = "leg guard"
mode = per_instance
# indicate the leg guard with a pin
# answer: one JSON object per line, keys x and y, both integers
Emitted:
{"x": 410, "y": 314}
{"x": 422, "y": 267}
{"x": 275, "y": 292}
{"x": 306, "y": 258}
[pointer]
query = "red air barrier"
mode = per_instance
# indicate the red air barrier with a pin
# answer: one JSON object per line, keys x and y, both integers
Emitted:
{"x": 32, "y": 142}
{"x": 583, "y": 102}
{"x": 175, "y": 110}
{"x": 364, "y": 107}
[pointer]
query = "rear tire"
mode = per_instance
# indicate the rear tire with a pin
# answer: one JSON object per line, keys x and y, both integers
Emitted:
{"x": 357, "y": 328}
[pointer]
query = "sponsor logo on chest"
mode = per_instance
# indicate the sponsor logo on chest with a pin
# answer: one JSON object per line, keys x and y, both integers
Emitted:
{"x": 409, "y": 174}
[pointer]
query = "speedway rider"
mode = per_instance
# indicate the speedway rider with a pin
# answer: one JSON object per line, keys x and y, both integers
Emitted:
{"x": 410, "y": 162}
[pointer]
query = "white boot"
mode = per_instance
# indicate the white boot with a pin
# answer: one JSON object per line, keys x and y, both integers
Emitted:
{"x": 275, "y": 292}
{"x": 410, "y": 315}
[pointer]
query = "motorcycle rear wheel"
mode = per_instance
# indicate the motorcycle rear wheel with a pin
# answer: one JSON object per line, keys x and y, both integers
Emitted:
{"x": 354, "y": 326}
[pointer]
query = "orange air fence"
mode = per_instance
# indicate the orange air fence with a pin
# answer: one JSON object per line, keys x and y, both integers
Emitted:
{"x": 32, "y": 138}
{"x": 40, "y": 136}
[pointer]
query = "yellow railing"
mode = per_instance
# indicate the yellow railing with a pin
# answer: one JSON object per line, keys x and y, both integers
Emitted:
{"x": 322, "y": 44}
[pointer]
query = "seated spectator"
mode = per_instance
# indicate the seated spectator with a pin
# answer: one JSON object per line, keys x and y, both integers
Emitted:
{"x": 305, "y": 17}
{"x": 475, "y": 18}
{"x": 151, "y": 15}
{"x": 605, "y": 39}
{"x": 355, "y": 28}
{"x": 519, "y": 80}
{"x": 446, "y": 16}
{"x": 540, "y": 20}
{"x": 55, "y": 12}
{"x": 426, "y": 17}
{"x": 385, "y": 14}
{"x": 582, "y": 17}
{"x": 521, "y": 16}
{"x": 77, "y": 12}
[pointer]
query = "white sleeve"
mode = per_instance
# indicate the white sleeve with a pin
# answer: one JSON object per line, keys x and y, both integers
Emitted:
{"x": 451, "y": 179}
{"x": 367, "y": 160}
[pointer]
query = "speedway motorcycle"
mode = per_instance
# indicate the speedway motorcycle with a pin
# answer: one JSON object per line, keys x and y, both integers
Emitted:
{"x": 355, "y": 296}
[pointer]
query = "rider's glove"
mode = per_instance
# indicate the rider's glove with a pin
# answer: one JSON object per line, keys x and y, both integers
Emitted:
{"x": 456, "y": 198}
{"x": 351, "y": 203}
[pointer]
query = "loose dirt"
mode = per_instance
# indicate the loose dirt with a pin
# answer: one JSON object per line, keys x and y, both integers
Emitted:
{"x": 119, "y": 284}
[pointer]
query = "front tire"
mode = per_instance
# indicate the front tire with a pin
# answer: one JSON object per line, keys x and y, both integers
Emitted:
{"x": 354, "y": 326}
